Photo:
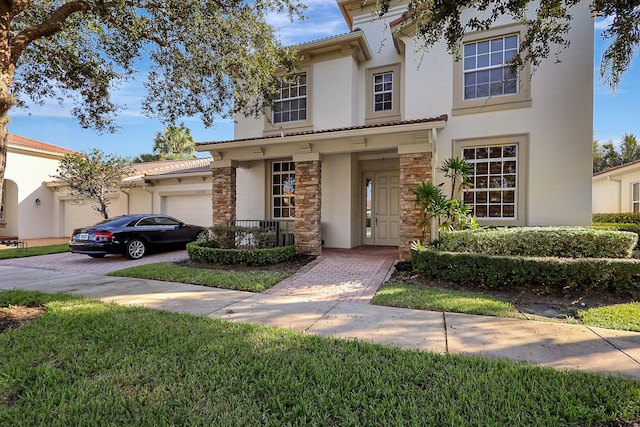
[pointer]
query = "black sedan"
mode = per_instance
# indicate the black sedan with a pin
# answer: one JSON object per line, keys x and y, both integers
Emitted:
{"x": 133, "y": 235}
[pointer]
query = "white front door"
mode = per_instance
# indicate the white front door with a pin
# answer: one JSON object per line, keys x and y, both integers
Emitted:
{"x": 381, "y": 208}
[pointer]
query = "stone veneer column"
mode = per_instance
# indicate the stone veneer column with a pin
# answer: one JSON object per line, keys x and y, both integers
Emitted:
{"x": 414, "y": 169}
{"x": 224, "y": 192}
{"x": 308, "y": 204}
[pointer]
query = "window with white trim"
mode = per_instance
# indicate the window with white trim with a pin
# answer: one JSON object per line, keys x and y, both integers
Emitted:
{"x": 283, "y": 189}
{"x": 486, "y": 73}
{"x": 635, "y": 197}
{"x": 291, "y": 103}
{"x": 495, "y": 181}
{"x": 383, "y": 91}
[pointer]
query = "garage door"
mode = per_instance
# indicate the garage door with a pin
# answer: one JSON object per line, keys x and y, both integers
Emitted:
{"x": 192, "y": 209}
{"x": 76, "y": 216}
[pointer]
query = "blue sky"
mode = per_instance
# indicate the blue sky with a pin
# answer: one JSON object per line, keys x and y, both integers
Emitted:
{"x": 614, "y": 114}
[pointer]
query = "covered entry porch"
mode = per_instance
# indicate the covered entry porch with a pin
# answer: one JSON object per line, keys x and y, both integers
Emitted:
{"x": 341, "y": 188}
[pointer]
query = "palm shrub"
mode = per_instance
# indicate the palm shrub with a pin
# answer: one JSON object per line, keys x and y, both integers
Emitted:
{"x": 451, "y": 213}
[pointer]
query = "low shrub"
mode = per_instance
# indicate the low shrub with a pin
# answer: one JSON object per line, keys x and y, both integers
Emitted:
{"x": 200, "y": 252}
{"x": 570, "y": 276}
{"x": 625, "y": 217}
{"x": 564, "y": 242}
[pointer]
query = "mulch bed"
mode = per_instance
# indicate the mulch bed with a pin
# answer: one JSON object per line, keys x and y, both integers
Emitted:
{"x": 14, "y": 317}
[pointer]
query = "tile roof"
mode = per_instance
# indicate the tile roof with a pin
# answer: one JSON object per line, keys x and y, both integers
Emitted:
{"x": 20, "y": 141}
{"x": 443, "y": 117}
{"x": 615, "y": 168}
{"x": 173, "y": 167}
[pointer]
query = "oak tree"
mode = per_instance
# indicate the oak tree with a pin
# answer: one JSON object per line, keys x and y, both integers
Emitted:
{"x": 205, "y": 58}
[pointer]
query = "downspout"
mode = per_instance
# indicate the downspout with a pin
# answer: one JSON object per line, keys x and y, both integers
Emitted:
{"x": 619, "y": 181}
{"x": 144, "y": 187}
{"x": 128, "y": 200}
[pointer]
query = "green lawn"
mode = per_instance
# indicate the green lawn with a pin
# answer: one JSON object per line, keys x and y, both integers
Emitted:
{"x": 437, "y": 299}
{"x": 33, "y": 251}
{"x": 252, "y": 281}
{"x": 625, "y": 317}
{"x": 85, "y": 362}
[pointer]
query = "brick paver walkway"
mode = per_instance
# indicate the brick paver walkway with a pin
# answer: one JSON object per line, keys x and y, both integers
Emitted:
{"x": 337, "y": 275}
{"x": 352, "y": 275}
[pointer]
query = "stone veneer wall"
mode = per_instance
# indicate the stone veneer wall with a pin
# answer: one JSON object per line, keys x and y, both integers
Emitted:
{"x": 224, "y": 195}
{"x": 414, "y": 169}
{"x": 308, "y": 197}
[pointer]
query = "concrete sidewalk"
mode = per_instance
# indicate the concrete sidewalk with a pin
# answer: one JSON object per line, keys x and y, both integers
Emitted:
{"x": 547, "y": 344}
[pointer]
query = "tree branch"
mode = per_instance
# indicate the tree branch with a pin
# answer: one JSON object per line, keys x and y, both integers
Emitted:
{"x": 51, "y": 26}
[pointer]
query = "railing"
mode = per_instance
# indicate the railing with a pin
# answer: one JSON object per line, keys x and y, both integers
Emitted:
{"x": 280, "y": 230}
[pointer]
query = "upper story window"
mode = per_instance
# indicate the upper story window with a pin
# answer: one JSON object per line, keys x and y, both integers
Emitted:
{"x": 291, "y": 104}
{"x": 486, "y": 72}
{"x": 482, "y": 80}
{"x": 383, "y": 91}
{"x": 635, "y": 197}
{"x": 383, "y": 94}
{"x": 283, "y": 190}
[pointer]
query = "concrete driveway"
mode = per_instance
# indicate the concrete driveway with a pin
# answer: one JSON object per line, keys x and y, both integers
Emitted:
{"x": 78, "y": 263}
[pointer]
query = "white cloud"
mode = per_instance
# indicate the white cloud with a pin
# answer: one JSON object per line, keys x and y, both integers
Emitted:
{"x": 603, "y": 23}
{"x": 323, "y": 19}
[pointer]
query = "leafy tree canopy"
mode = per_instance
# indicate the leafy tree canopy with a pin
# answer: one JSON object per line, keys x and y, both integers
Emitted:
{"x": 609, "y": 154}
{"x": 91, "y": 177}
{"x": 206, "y": 58}
{"x": 547, "y": 28}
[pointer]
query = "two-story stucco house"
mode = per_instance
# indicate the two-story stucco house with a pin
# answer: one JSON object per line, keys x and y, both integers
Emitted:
{"x": 370, "y": 115}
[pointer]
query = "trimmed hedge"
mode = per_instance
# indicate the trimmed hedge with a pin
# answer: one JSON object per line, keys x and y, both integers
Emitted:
{"x": 570, "y": 276}
{"x": 625, "y": 217}
{"x": 564, "y": 242}
{"x": 199, "y": 252}
{"x": 620, "y": 226}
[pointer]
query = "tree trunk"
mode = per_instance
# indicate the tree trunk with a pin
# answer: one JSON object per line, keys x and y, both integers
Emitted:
{"x": 7, "y": 70}
{"x": 6, "y": 101}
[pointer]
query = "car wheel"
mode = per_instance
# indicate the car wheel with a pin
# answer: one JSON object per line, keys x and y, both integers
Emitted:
{"x": 96, "y": 255}
{"x": 135, "y": 249}
{"x": 202, "y": 236}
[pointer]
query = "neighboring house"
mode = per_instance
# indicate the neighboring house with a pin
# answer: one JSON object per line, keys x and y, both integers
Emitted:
{"x": 370, "y": 116}
{"x": 180, "y": 188}
{"x": 34, "y": 206}
{"x": 617, "y": 190}
{"x": 25, "y": 208}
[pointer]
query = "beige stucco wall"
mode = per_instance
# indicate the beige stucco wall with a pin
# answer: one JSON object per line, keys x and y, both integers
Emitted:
{"x": 339, "y": 192}
{"x": 612, "y": 195}
{"x": 29, "y": 172}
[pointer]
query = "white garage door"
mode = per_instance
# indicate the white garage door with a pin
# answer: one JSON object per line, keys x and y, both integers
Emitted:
{"x": 192, "y": 209}
{"x": 76, "y": 216}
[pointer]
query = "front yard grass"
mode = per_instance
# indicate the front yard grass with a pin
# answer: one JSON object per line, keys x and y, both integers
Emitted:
{"x": 250, "y": 280}
{"x": 625, "y": 317}
{"x": 33, "y": 251}
{"x": 418, "y": 297}
{"x": 85, "y": 362}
